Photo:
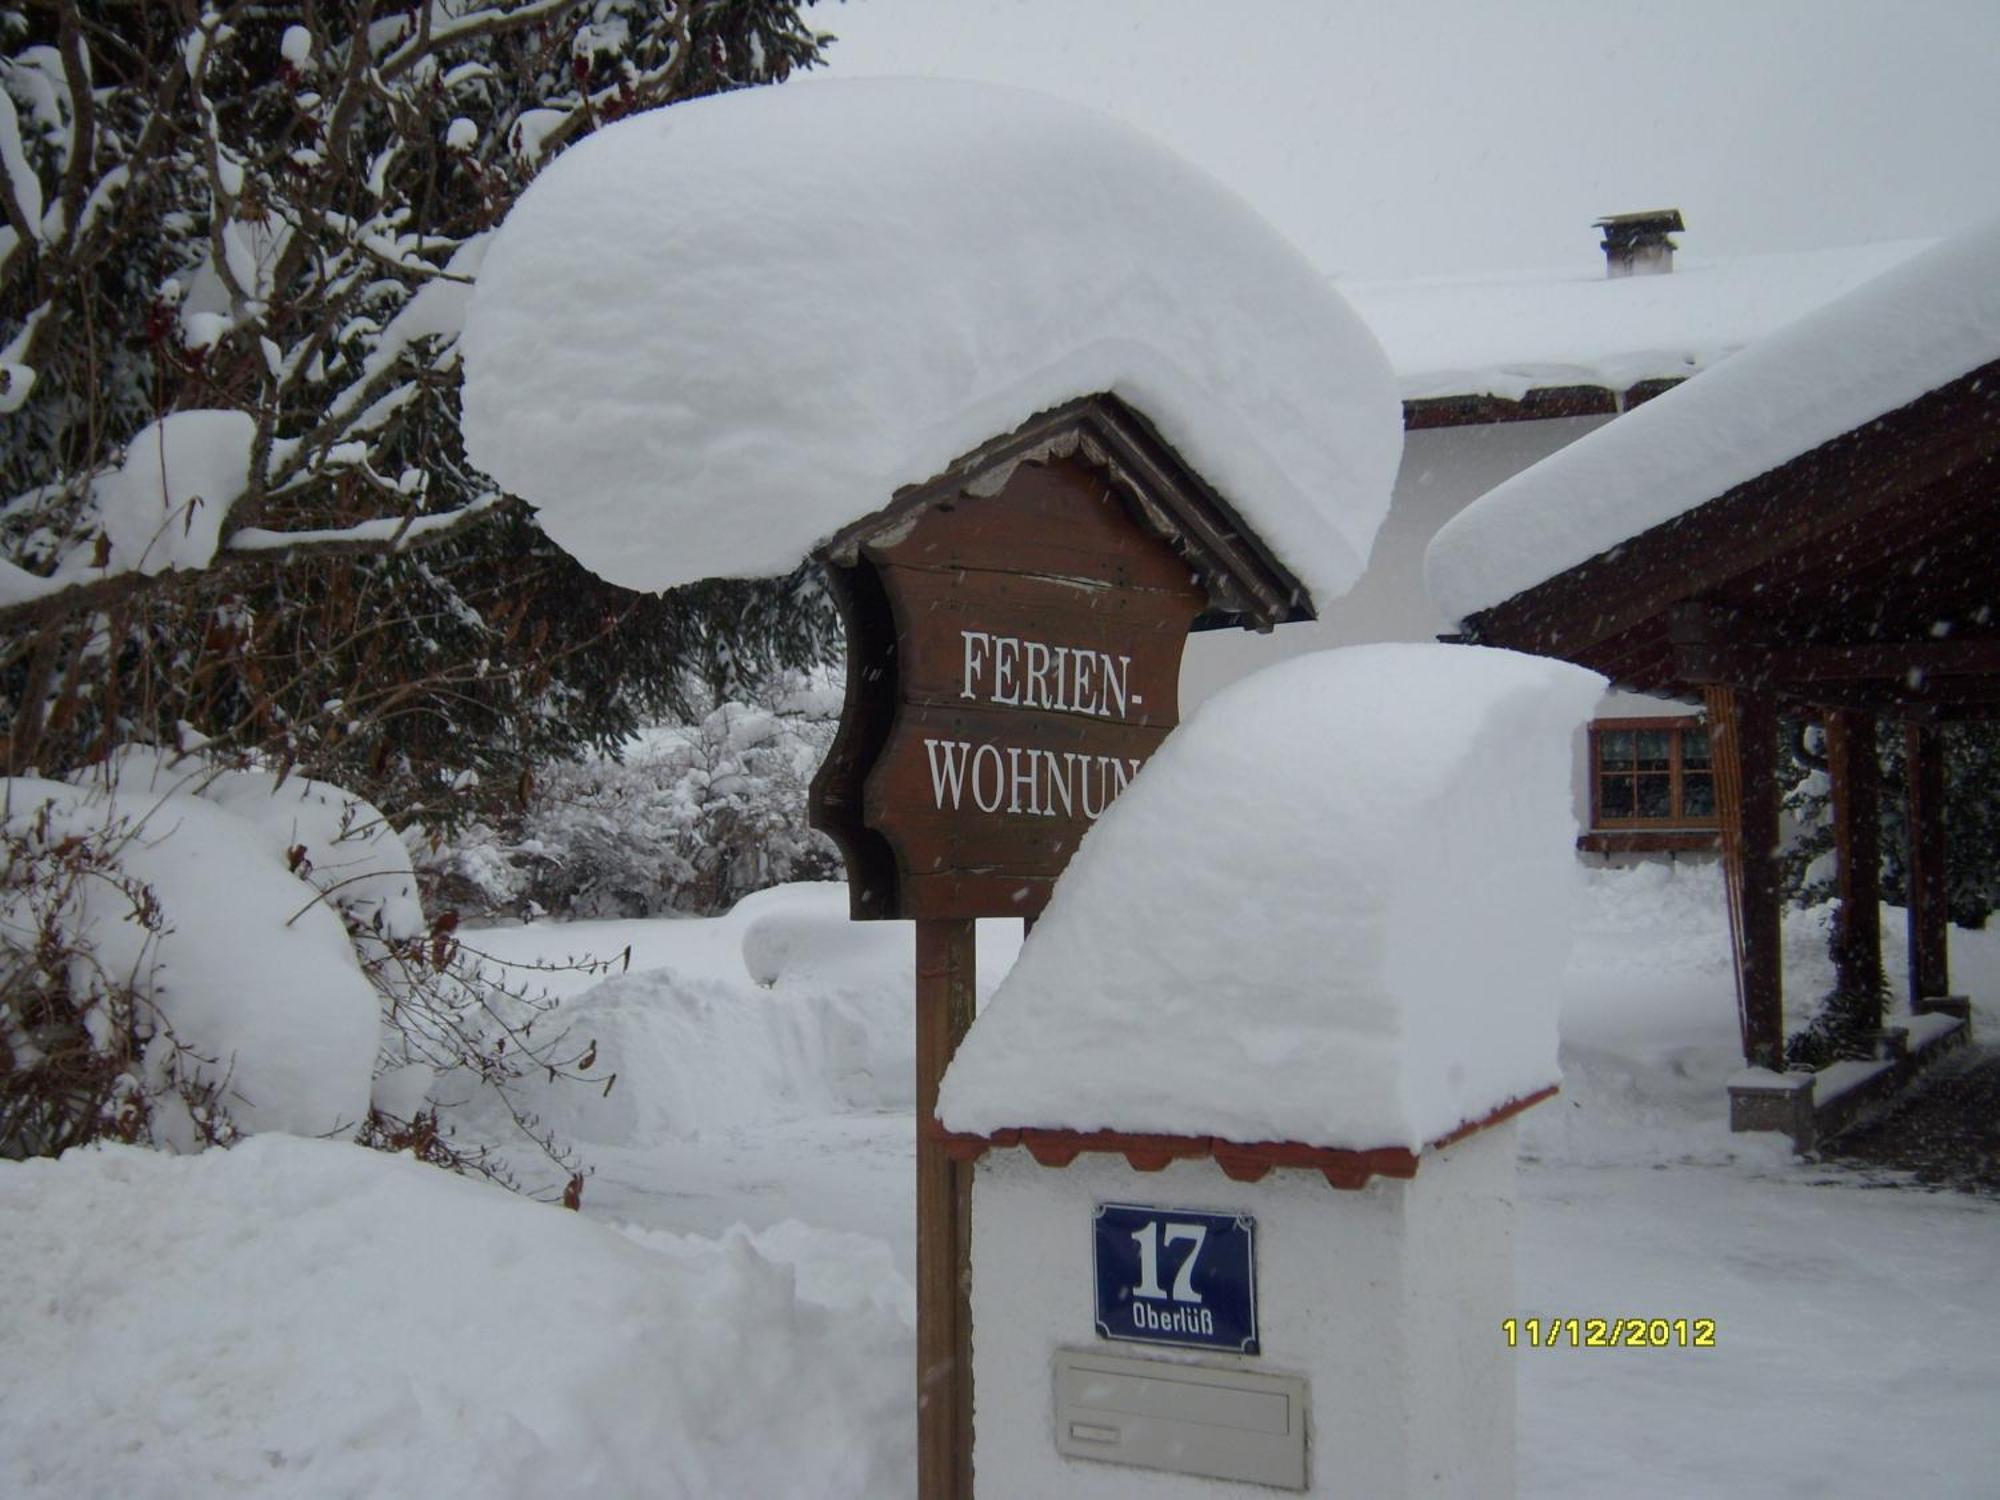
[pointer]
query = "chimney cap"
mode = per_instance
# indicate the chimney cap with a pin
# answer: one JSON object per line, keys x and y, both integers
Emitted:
{"x": 1633, "y": 226}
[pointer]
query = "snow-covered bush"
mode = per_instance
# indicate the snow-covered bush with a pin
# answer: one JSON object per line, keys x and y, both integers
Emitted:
{"x": 71, "y": 1026}
{"x": 691, "y": 819}
{"x": 190, "y": 951}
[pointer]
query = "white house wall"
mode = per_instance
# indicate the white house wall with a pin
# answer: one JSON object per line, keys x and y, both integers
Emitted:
{"x": 1444, "y": 470}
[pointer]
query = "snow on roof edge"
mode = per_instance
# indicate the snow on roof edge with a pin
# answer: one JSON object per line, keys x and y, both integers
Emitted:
{"x": 1504, "y": 334}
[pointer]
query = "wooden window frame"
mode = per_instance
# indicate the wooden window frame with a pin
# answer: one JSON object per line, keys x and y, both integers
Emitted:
{"x": 1678, "y": 831}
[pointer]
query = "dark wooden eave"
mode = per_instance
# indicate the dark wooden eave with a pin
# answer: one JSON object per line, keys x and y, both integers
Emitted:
{"x": 1864, "y": 573}
{"x": 1542, "y": 404}
{"x": 1246, "y": 583}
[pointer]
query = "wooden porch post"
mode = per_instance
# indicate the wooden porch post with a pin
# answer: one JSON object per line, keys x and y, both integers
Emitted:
{"x": 945, "y": 974}
{"x": 1856, "y": 772}
{"x": 1930, "y": 975}
{"x": 1743, "y": 739}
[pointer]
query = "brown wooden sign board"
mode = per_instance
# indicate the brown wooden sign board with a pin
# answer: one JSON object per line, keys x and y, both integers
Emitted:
{"x": 1038, "y": 639}
{"x": 1015, "y": 632}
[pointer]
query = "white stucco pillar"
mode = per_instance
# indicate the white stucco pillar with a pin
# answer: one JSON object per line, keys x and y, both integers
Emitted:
{"x": 1387, "y": 1302}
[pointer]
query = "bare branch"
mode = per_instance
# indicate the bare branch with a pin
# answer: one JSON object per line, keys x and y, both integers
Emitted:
{"x": 83, "y": 123}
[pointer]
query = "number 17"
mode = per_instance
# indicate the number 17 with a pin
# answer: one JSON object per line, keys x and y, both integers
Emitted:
{"x": 1149, "y": 1260}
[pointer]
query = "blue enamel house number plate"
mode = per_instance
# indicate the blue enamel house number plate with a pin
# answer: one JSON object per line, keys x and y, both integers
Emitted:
{"x": 1176, "y": 1276}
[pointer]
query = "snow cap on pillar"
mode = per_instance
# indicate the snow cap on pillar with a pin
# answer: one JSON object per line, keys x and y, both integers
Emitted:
{"x": 1332, "y": 910}
{"x": 710, "y": 336}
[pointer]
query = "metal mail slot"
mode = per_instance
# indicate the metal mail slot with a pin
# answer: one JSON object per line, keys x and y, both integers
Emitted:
{"x": 1186, "y": 1419}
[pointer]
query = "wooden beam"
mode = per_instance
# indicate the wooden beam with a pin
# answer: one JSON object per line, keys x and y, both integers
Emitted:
{"x": 1856, "y": 773}
{"x": 1923, "y": 560}
{"x": 1930, "y": 971}
{"x": 1911, "y": 664}
{"x": 1713, "y": 644}
{"x": 1935, "y": 699}
{"x": 1743, "y": 742}
{"x": 1543, "y": 403}
{"x": 945, "y": 974}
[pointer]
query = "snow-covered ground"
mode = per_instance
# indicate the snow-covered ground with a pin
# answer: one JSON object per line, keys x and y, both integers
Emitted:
{"x": 304, "y": 1318}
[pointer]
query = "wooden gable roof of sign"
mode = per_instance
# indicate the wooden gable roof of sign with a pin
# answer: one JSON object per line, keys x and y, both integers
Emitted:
{"x": 1021, "y": 616}
{"x": 1246, "y": 584}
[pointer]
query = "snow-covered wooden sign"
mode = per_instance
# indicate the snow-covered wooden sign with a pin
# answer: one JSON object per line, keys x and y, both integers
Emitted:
{"x": 1015, "y": 629}
{"x": 790, "y": 304}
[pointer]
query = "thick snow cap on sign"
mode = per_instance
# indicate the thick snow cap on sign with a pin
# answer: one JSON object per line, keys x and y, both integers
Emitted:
{"x": 710, "y": 336}
{"x": 1918, "y": 326}
{"x": 1333, "y": 909}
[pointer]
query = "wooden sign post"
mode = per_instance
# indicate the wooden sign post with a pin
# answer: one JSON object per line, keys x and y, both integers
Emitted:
{"x": 1014, "y": 631}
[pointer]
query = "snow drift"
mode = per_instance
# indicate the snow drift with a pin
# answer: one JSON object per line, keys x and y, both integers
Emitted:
{"x": 1248, "y": 943}
{"x": 709, "y": 336}
{"x": 304, "y": 1318}
{"x": 793, "y": 1011}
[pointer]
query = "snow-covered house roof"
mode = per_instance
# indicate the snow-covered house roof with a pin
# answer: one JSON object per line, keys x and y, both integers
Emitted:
{"x": 709, "y": 337}
{"x": 1812, "y": 526}
{"x": 1459, "y": 338}
{"x": 1926, "y": 322}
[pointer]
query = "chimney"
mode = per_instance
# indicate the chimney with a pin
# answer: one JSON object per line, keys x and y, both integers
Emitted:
{"x": 1637, "y": 244}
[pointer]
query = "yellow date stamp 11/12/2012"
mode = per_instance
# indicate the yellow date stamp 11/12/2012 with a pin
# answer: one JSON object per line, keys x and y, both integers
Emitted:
{"x": 1608, "y": 1333}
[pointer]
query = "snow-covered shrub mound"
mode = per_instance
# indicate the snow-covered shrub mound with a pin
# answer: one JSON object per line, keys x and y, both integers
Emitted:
{"x": 346, "y": 848}
{"x": 691, "y": 1056}
{"x": 331, "y": 838}
{"x": 856, "y": 980}
{"x": 809, "y": 940}
{"x": 1333, "y": 908}
{"x": 190, "y": 951}
{"x": 820, "y": 1021}
{"x": 709, "y": 336}
{"x": 302, "y": 1318}
{"x": 781, "y": 1009}
{"x": 244, "y": 984}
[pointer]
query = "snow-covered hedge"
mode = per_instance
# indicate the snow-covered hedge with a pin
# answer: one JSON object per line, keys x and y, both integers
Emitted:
{"x": 200, "y": 962}
{"x": 192, "y": 951}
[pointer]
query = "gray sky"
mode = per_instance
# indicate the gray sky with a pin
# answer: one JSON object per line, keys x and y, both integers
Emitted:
{"x": 1402, "y": 139}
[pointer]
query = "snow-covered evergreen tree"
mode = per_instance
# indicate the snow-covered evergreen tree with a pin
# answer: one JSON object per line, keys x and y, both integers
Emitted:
{"x": 1972, "y": 821}
{"x": 1972, "y": 818}
{"x": 236, "y": 240}
{"x": 692, "y": 817}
